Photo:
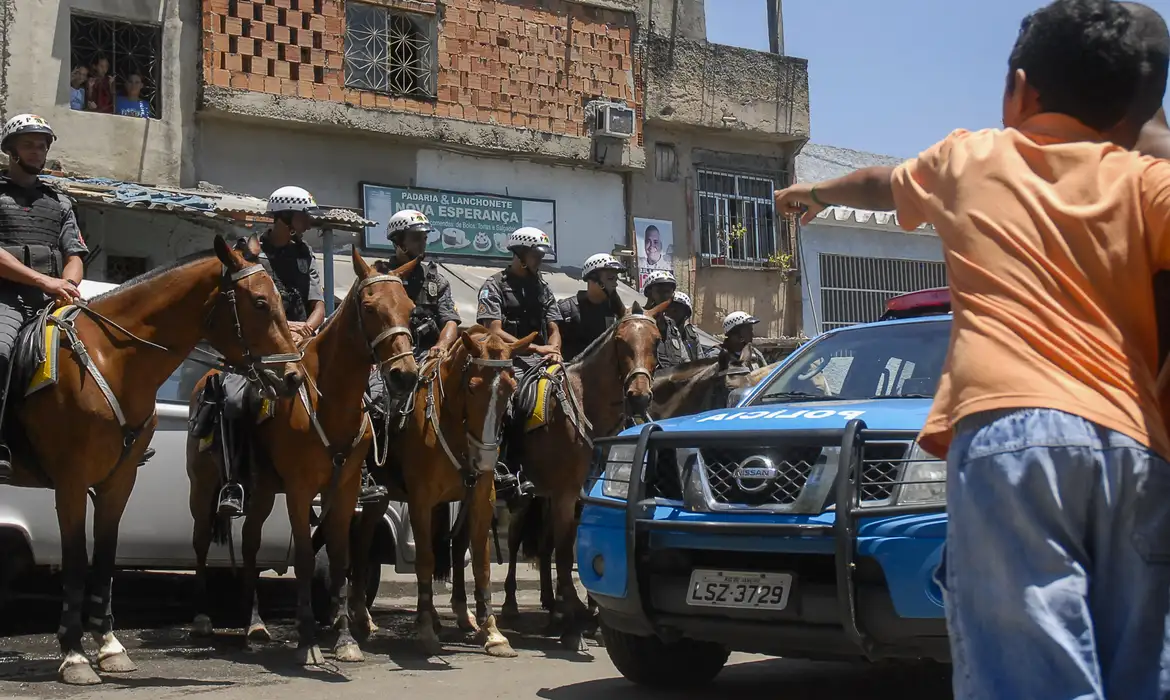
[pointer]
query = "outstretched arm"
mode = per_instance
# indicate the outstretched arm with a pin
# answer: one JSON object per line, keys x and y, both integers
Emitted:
{"x": 868, "y": 188}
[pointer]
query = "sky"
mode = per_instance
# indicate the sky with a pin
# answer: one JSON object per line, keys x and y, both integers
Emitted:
{"x": 890, "y": 76}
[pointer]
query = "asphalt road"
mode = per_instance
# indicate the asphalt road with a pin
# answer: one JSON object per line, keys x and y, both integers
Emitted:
{"x": 154, "y": 617}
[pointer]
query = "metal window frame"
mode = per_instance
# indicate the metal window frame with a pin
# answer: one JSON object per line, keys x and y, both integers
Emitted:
{"x": 151, "y": 73}
{"x": 835, "y": 304}
{"x": 769, "y": 242}
{"x": 426, "y": 25}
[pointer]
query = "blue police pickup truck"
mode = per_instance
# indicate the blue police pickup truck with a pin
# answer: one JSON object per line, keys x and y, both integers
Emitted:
{"x": 804, "y": 522}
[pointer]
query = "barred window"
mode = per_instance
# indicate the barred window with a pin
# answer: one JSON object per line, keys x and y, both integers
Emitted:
{"x": 737, "y": 222}
{"x": 121, "y": 268}
{"x": 389, "y": 51}
{"x": 127, "y": 49}
{"x": 855, "y": 289}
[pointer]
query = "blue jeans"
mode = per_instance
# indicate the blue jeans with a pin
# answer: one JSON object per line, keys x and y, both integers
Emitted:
{"x": 1057, "y": 567}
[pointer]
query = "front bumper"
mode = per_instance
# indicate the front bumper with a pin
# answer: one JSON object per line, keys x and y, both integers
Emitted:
{"x": 862, "y": 583}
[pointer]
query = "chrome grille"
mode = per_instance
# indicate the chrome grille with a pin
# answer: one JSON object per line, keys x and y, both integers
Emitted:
{"x": 791, "y": 466}
{"x": 880, "y": 470}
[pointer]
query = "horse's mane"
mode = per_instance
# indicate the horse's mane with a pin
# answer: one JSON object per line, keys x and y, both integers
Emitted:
{"x": 593, "y": 347}
{"x": 157, "y": 272}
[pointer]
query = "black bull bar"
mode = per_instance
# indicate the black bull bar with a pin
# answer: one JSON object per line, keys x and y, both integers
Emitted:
{"x": 852, "y": 440}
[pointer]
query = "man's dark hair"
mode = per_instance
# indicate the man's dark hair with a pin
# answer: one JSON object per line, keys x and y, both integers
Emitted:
{"x": 650, "y": 228}
{"x": 1150, "y": 31}
{"x": 1082, "y": 58}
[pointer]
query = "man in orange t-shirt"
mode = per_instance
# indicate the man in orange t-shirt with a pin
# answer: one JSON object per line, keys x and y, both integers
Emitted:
{"x": 1057, "y": 574}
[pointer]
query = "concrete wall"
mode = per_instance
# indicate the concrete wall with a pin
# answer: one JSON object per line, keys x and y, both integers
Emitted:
{"x": 856, "y": 241}
{"x": 158, "y": 237}
{"x": 154, "y": 151}
{"x": 591, "y": 213}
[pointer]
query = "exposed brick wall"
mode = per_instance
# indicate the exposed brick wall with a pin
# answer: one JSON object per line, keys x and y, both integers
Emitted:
{"x": 524, "y": 63}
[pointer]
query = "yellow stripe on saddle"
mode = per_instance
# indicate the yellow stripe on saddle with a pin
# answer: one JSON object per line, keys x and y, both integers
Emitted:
{"x": 46, "y": 372}
{"x": 542, "y": 403}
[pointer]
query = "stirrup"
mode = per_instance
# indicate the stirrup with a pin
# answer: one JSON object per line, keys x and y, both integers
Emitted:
{"x": 372, "y": 494}
{"x": 231, "y": 501}
{"x": 6, "y": 470}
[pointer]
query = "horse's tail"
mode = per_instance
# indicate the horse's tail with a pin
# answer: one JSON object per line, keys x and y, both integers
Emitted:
{"x": 531, "y": 527}
{"x": 442, "y": 541}
{"x": 221, "y": 525}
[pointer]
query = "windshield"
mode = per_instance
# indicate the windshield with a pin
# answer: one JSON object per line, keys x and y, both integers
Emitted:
{"x": 890, "y": 360}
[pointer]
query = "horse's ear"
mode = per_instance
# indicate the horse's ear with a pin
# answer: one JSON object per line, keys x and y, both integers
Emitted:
{"x": 361, "y": 268}
{"x": 521, "y": 346}
{"x": 637, "y": 308}
{"x": 724, "y": 359}
{"x": 473, "y": 348}
{"x": 230, "y": 258}
{"x": 253, "y": 246}
{"x": 653, "y": 313}
{"x": 408, "y": 268}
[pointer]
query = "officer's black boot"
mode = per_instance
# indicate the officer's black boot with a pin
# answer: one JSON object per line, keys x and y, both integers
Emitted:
{"x": 371, "y": 490}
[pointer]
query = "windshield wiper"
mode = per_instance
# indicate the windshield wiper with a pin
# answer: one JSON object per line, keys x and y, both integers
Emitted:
{"x": 904, "y": 396}
{"x": 797, "y": 395}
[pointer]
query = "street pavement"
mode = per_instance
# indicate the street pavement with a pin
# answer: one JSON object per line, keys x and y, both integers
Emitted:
{"x": 154, "y": 617}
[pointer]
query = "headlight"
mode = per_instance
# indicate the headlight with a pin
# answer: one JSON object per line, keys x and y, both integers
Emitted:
{"x": 930, "y": 475}
{"x": 618, "y": 465}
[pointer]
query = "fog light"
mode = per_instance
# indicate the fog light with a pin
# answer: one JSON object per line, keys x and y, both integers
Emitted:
{"x": 599, "y": 565}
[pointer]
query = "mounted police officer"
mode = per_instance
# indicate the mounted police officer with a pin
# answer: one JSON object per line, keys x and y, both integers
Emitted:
{"x": 660, "y": 286}
{"x": 590, "y": 312}
{"x": 289, "y": 260}
{"x": 514, "y": 303}
{"x": 680, "y": 312}
{"x": 739, "y": 332}
{"x": 41, "y": 249}
{"x": 434, "y": 323}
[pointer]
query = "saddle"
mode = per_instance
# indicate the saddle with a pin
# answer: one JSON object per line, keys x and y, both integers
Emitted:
{"x": 227, "y": 400}
{"x": 33, "y": 366}
{"x": 532, "y": 397}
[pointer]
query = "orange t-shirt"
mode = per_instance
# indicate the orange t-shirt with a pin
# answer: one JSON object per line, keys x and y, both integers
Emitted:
{"x": 1051, "y": 238}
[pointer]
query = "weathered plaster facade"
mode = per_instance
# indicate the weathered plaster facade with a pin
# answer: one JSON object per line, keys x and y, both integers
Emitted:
{"x": 36, "y": 79}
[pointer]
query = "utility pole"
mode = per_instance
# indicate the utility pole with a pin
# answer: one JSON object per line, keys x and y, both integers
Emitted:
{"x": 776, "y": 26}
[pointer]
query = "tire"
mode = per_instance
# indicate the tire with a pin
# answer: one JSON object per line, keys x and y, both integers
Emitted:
{"x": 650, "y": 662}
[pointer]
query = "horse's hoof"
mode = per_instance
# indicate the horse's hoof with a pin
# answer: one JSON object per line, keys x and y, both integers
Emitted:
{"x": 202, "y": 626}
{"x": 349, "y": 653}
{"x": 310, "y": 655}
{"x": 576, "y": 644}
{"x": 431, "y": 646}
{"x": 78, "y": 672}
{"x": 501, "y": 650}
{"x": 259, "y": 633}
{"x": 117, "y": 663}
{"x": 467, "y": 624}
{"x": 510, "y": 610}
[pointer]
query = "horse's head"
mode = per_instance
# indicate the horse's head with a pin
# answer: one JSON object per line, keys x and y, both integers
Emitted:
{"x": 247, "y": 323}
{"x": 490, "y": 384}
{"x": 636, "y": 339}
{"x": 383, "y": 312}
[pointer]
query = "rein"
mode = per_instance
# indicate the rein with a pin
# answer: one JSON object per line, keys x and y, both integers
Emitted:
{"x": 568, "y": 397}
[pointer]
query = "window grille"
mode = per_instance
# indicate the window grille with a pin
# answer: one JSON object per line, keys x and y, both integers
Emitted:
{"x": 130, "y": 47}
{"x": 737, "y": 222}
{"x": 121, "y": 268}
{"x": 389, "y": 51}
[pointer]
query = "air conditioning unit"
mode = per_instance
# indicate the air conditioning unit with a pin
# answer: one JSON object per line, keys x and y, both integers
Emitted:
{"x": 614, "y": 120}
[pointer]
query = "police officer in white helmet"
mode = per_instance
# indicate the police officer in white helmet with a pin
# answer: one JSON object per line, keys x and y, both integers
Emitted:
{"x": 590, "y": 312}
{"x": 659, "y": 287}
{"x": 739, "y": 332}
{"x": 680, "y": 312}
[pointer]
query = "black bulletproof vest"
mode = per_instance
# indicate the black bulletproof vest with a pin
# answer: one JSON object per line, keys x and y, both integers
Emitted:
{"x": 291, "y": 282}
{"x": 424, "y": 319}
{"x": 32, "y": 233}
{"x": 522, "y": 309}
{"x": 592, "y": 320}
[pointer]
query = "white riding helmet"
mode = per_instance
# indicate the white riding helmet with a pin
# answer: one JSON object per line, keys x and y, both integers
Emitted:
{"x": 292, "y": 198}
{"x": 25, "y": 124}
{"x": 601, "y": 261}
{"x": 684, "y": 299}
{"x": 529, "y": 237}
{"x": 408, "y": 220}
{"x": 659, "y": 277}
{"x": 736, "y": 319}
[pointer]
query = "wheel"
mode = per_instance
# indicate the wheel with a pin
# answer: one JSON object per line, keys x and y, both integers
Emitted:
{"x": 653, "y": 663}
{"x": 319, "y": 596}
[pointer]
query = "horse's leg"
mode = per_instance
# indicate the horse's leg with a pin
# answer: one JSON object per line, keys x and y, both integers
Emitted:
{"x": 109, "y": 505}
{"x": 548, "y": 599}
{"x": 202, "y": 505}
{"x": 563, "y": 517}
{"x": 299, "y": 503}
{"x": 478, "y": 527}
{"x": 259, "y": 508}
{"x": 460, "y": 541}
{"x": 427, "y": 624}
{"x": 337, "y": 534}
{"x": 71, "y": 508}
{"x": 363, "y": 542}
{"x": 511, "y": 609}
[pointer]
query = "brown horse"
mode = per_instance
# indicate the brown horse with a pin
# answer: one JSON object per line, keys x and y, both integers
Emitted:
{"x": 131, "y": 340}
{"x": 447, "y": 452}
{"x": 315, "y": 444}
{"x": 686, "y": 389}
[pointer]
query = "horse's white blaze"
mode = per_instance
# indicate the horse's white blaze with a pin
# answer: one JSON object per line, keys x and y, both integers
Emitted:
{"x": 108, "y": 645}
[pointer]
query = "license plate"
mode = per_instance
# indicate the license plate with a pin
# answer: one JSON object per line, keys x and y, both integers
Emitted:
{"x": 739, "y": 589}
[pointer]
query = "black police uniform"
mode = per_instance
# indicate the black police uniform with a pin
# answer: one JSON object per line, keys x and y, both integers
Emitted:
{"x": 294, "y": 274}
{"x": 692, "y": 348}
{"x": 584, "y": 322}
{"x": 38, "y": 227}
{"x": 524, "y": 305}
{"x": 670, "y": 350}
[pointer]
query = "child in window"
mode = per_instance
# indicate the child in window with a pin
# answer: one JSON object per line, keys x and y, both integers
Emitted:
{"x": 131, "y": 104}
{"x": 100, "y": 93}
{"x": 77, "y": 82}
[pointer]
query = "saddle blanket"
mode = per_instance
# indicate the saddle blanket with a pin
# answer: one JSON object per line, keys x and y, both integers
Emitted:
{"x": 536, "y": 398}
{"x": 37, "y": 348}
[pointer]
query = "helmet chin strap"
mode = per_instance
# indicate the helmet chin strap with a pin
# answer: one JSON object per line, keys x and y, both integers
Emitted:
{"x": 26, "y": 168}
